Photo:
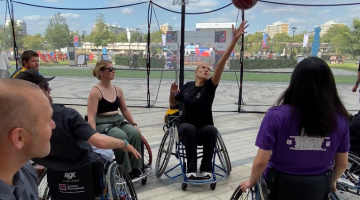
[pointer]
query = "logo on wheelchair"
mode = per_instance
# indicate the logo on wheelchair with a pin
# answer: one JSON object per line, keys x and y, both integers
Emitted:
{"x": 70, "y": 175}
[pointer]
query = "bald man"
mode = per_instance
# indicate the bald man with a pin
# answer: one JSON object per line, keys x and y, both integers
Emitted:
{"x": 22, "y": 139}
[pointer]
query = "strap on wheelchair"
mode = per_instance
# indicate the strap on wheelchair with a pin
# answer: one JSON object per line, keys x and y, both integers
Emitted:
{"x": 111, "y": 126}
{"x": 107, "y": 129}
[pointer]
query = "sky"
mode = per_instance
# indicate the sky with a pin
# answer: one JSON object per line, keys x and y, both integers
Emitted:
{"x": 262, "y": 14}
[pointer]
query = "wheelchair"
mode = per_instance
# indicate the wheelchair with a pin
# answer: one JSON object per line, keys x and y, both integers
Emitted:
{"x": 348, "y": 185}
{"x": 116, "y": 184}
{"x": 146, "y": 155}
{"x": 178, "y": 172}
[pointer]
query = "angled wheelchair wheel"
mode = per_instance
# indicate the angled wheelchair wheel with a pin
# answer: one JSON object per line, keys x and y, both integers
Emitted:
{"x": 223, "y": 153}
{"x": 147, "y": 157}
{"x": 119, "y": 181}
{"x": 240, "y": 195}
{"x": 348, "y": 184}
{"x": 164, "y": 153}
{"x": 263, "y": 191}
{"x": 43, "y": 187}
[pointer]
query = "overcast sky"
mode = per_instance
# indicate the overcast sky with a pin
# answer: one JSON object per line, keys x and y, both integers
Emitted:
{"x": 304, "y": 18}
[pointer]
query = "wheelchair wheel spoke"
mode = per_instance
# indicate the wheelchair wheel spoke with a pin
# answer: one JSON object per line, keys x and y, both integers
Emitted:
{"x": 348, "y": 184}
{"x": 120, "y": 184}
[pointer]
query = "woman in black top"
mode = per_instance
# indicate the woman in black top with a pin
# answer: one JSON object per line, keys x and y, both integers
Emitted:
{"x": 197, "y": 126}
{"x": 103, "y": 106}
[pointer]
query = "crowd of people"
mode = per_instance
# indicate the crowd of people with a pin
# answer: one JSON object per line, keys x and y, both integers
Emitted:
{"x": 303, "y": 140}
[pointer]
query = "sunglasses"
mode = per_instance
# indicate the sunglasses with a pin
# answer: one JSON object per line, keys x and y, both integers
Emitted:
{"x": 46, "y": 86}
{"x": 111, "y": 69}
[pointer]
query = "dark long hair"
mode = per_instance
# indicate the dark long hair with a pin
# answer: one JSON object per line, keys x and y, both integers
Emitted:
{"x": 312, "y": 91}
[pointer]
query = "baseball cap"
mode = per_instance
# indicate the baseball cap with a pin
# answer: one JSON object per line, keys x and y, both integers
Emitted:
{"x": 33, "y": 76}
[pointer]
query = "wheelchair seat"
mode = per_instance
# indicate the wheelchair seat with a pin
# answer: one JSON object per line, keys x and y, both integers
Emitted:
{"x": 283, "y": 186}
{"x": 76, "y": 184}
{"x": 170, "y": 113}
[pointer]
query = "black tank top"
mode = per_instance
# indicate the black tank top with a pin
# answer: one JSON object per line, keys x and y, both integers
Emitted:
{"x": 106, "y": 106}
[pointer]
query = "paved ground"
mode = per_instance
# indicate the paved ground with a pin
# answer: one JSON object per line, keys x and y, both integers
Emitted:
{"x": 238, "y": 130}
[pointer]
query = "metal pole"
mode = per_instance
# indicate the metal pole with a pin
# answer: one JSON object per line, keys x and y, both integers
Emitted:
{"x": 241, "y": 64}
{"x": 182, "y": 43}
{"x": 11, "y": 14}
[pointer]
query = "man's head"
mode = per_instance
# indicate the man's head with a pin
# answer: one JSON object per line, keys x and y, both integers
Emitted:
{"x": 33, "y": 76}
{"x": 30, "y": 60}
{"x": 25, "y": 120}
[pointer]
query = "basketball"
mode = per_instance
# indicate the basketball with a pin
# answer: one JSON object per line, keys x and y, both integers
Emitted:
{"x": 244, "y": 4}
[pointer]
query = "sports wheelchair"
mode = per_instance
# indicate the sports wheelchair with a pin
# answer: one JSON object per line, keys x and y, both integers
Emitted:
{"x": 146, "y": 155}
{"x": 76, "y": 184}
{"x": 178, "y": 171}
{"x": 348, "y": 185}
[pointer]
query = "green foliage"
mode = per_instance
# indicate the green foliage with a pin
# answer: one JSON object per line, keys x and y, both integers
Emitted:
{"x": 140, "y": 62}
{"x": 34, "y": 42}
{"x": 154, "y": 63}
{"x": 136, "y": 37}
{"x": 121, "y": 60}
{"x": 121, "y": 37}
{"x": 155, "y": 37}
{"x": 8, "y": 37}
{"x": 57, "y": 32}
{"x": 263, "y": 64}
{"x": 100, "y": 35}
{"x": 333, "y": 31}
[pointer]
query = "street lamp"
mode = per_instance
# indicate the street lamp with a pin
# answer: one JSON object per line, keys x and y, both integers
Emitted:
{"x": 292, "y": 46}
{"x": 84, "y": 33}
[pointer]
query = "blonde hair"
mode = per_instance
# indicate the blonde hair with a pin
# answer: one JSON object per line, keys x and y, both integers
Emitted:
{"x": 100, "y": 65}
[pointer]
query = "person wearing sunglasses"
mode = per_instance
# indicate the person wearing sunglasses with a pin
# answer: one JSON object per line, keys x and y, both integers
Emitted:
{"x": 104, "y": 102}
{"x": 72, "y": 138}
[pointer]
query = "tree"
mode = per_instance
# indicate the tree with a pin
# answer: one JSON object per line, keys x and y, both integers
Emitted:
{"x": 34, "y": 42}
{"x": 280, "y": 42}
{"x": 100, "y": 35}
{"x": 7, "y": 34}
{"x": 121, "y": 37}
{"x": 333, "y": 31}
{"x": 57, "y": 32}
{"x": 352, "y": 46}
{"x": 135, "y": 37}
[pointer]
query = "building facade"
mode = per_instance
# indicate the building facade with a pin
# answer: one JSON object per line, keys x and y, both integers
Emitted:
{"x": 277, "y": 28}
{"x": 325, "y": 27}
{"x": 165, "y": 28}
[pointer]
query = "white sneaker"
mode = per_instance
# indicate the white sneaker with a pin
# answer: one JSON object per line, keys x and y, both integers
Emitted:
{"x": 206, "y": 175}
{"x": 191, "y": 175}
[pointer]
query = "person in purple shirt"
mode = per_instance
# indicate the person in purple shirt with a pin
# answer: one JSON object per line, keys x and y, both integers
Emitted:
{"x": 304, "y": 137}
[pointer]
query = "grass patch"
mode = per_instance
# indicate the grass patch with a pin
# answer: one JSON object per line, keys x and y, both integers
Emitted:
{"x": 227, "y": 76}
{"x": 60, "y": 63}
{"x": 347, "y": 66}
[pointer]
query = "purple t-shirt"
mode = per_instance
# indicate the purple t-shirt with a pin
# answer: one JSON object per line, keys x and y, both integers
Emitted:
{"x": 299, "y": 155}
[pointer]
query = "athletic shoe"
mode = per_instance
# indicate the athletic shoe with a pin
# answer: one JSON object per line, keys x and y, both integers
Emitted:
{"x": 191, "y": 175}
{"x": 206, "y": 175}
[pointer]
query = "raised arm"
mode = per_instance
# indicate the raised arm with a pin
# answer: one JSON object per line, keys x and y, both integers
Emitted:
{"x": 221, "y": 65}
{"x": 92, "y": 106}
{"x": 173, "y": 90}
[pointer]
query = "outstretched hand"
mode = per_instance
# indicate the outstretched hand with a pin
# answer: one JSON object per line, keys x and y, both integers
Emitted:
{"x": 174, "y": 88}
{"x": 129, "y": 148}
{"x": 240, "y": 30}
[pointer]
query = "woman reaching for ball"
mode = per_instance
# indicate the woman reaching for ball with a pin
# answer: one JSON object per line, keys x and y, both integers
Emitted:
{"x": 197, "y": 122}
